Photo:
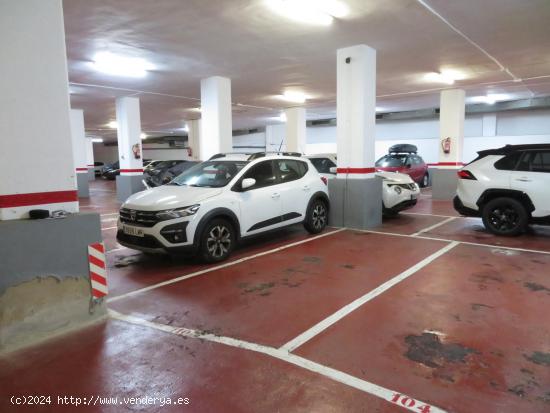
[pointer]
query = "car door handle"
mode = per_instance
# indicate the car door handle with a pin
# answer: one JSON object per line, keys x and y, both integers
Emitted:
{"x": 275, "y": 195}
{"x": 523, "y": 179}
{"x": 305, "y": 187}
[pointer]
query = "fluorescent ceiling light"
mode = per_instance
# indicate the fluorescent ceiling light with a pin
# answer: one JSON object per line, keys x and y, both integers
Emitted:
{"x": 109, "y": 63}
{"x": 490, "y": 99}
{"x": 379, "y": 109}
{"x": 445, "y": 76}
{"x": 319, "y": 12}
{"x": 97, "y": 140}
{"x": 295, "y": 97}
{"x": 113, "y": 124}
{"x": 143, "y": 135}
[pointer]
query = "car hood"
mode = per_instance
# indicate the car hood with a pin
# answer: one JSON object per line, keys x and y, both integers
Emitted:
{"x": 396, "y": 177}
{"x": 169, "y": 197}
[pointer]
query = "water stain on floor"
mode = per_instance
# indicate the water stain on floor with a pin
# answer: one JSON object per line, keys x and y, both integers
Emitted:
{"x": 428, "y": 350}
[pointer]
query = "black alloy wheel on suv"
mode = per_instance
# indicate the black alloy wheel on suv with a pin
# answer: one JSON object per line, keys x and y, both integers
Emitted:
{"x": 505, "y": 216}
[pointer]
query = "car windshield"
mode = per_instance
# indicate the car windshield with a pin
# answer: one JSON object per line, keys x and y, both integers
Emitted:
{"x": 391, "y": 161}
{"x": 210, "y": 174}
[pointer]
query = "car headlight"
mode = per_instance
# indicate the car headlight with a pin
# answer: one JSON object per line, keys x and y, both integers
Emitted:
{"x": 397, "y": 189}
{"x": 177, "y": 213}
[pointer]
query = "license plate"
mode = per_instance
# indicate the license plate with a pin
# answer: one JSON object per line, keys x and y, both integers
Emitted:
{"x": 136, "y": 232}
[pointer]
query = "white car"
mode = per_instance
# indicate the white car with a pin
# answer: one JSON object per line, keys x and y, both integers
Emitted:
{"x": 399, "y": 191}
{"x": 508, "y": 187}
{"x": 211, "y": 206}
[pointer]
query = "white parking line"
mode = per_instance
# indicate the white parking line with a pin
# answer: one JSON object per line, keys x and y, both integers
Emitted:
{"x": 106, "y": 215}
{"x": 333, "y": 374}
{"x": 103, "y": 229}
{"x": 445, "y": 221}
{"x": 476, "y": 244}
{"x": 354, "y": 305}
{"x": 221, "y": 266}
{"x": 430, "y": 215}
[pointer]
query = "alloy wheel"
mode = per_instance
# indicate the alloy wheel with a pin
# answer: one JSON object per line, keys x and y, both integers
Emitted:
{"x": 218, "y": 242}
{"x": 504, "y": 218}
{"x": 319, "y": 216}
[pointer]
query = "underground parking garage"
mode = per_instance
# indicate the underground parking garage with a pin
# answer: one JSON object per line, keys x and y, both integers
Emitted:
{"x": 275, "y": 205}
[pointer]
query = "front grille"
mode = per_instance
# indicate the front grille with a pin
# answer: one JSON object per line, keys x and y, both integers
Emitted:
{"x": 138, "y": 218}
{"x": 146, "y": 241}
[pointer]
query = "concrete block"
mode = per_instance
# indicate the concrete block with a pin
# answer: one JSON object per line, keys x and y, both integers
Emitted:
{"x": 127, "y": 185}
{"x": 444, "y": 183}
{"x": 44, "y": 278}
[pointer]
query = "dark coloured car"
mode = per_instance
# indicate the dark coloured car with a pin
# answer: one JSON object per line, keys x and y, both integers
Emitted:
{"x": 403, "y": 158}
{"x": 164, "y": 171}
{"x": 110, "y": 171}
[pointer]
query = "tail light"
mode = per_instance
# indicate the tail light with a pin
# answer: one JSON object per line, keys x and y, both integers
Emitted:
{"x": 464, "y": 174}
{"x": 325, "y": 180}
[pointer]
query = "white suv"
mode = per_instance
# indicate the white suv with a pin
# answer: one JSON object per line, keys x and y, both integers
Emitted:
{"x": 212, "y": 205}
{"x": 508, "y": 187}
{"x": 399, "y": 191}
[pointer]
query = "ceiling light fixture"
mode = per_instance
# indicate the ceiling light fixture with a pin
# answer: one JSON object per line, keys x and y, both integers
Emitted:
{"x": 143, "y": 135}
{"x": 318, "y": 12}
{"x": 490, "y": 99}
{"x": 113, "y": 124}
{"x": 282, "y": 117}
{"x": 445, "y": 76}
{"x": 97, "y": 140}
{"x": 294, "y": 97}
{"x": 109, "y": 63}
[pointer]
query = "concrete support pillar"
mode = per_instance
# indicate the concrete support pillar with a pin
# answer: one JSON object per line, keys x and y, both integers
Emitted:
{"x": 216, "y": 125}
{"x": 275, "y": 138}
{"x": 295, "y": 131}
{"x": 356, "y": 193}
{"x": 129, "y": 147}
{"x": 44, "y": 271}
{"x": 193, "y": 136}
{"x": 489, "y": 123}
{"x": 90, "y": 159}
{"x": 79, "y": 152}
{"x": 451, "y": 144}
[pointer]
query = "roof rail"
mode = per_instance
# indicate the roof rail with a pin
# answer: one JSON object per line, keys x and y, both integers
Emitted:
{"x": 262, "y": 154}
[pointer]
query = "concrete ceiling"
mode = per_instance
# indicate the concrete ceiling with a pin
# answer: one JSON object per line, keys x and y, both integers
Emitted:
{"x": 502, "y": 46}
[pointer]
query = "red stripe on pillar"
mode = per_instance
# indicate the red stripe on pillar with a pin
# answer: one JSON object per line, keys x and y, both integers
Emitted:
{"x": 37, "y": 198}
{"x": 98, "y": 278}
{"x": 98, "y": 246}
{"x": 82, "y": 169}
{"x": 96, "y": 261}
{"x": 355, "y": 170}
{"x": 132, "y": 170}
{"x": 97, "y": 293}
{"x": 446, "y": 164}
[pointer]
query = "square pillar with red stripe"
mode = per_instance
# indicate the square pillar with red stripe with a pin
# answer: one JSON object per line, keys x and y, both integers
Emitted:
{"x": 129, "y": 148}
{"x": 90, "y": 159}
{"x": 78, "y": 138}
{"x": 451, "y": 144}
{"x": 356, "y": 193}
{"x": 295, "y": 129}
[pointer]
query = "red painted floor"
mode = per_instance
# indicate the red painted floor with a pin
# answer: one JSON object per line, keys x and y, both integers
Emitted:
{"x": 466, "y": 333}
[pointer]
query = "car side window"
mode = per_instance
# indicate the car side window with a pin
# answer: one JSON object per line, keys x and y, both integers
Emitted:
{"x": 263, "y": 173}
{"x": 290, "y": 170}
{"x": 322, "y": 165}
{"x": 509, "y": 162}
{"x": 540, "y": 162}
{"x": 524, "y": 163}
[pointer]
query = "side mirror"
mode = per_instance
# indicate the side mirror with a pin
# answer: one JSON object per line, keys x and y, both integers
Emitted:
{"x": 333, "y": 170}
{"x": 408, "y": 166}
{"x": 247, "y": 183}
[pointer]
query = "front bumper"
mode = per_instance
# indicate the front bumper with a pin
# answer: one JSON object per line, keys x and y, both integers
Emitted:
{"x": 402, "y": 205}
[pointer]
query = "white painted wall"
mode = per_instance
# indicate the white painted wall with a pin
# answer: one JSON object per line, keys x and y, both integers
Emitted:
{"x": 518, "y": 127}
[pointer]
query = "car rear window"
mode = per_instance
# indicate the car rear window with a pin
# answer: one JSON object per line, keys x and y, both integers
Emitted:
{"x": 391, "y": 161}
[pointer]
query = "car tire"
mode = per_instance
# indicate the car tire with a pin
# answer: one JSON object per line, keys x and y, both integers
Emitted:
{"x": 316, "y": 216}
{"x": 217, "y": 240}
{"x": 505, "y": 216}
{"x": 425, "y": 181}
